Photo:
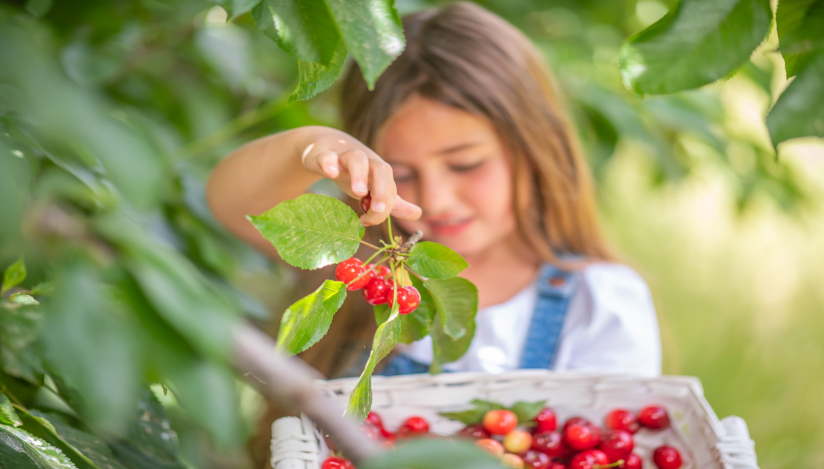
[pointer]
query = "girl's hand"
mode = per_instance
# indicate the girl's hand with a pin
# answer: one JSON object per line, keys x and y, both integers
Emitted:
{"x": 358, "y": 171}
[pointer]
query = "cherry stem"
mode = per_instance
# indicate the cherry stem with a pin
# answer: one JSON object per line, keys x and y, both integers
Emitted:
{"x": 389, "y": 227}
{"x": 414, "y": 273}
{"x": 370, "y": 245}
{"x": 618, "y": 463}
{"x": 371, "y": 269}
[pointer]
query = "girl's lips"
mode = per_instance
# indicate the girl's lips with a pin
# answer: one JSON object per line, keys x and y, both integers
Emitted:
{"x": 449, "y": 227}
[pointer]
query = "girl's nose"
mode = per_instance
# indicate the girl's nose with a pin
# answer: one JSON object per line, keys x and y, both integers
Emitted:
{"x": 437, "y": 194}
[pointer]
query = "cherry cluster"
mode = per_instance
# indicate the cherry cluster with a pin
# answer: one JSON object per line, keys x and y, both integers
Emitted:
{"x": 578, "y": 444}
{"x": 376, "y": 285}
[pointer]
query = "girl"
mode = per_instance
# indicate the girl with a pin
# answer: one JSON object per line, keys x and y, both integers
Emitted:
{"x": 464, "y": 138}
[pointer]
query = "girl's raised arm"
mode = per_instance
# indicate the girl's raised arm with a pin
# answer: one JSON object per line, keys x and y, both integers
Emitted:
{"x": 269, "y": 170}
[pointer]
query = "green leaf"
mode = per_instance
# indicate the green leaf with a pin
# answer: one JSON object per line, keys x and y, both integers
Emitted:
{"x": 381, "y": 313}
{"x": 445, "y": 349}
{"x": 799, "y": 111}
{"x": 430, "y": 453}
{"x": 237, "y": 7}
{"x": 696, "y": 43}
{"x": 21, "y": 450}
{"x": 315, "y": 78}
{"x": 44, "y": 288}
{"x": 433, "y": 260}
{"x": 14, "y": 274}
{"x": 7, "y": 414}
{"x": 527, "y": 411}
{"x": 456, "y": 303}
{"x": 311, "y": 231}
{"x": 415, "y": 325}
{"x": 800, "y": 26}
{"x": 308, "y": 320}
{"x": 149, "y": 442}
{"x": 372, "y": 32}
{"x": 302, "y": 28}
{"x": 23, "y": 299}
{"x": 386, "y": 337}
{"x": 475, "y": 414}
{"x": 20, "y": 351}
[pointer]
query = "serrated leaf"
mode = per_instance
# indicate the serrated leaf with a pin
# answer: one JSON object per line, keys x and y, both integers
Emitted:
{"x": 696, "y": 43}
{"x": 800, "y": 25}
{"x": 7, "y": 414}
{"x": 527, "y": 411}
{"x": 304, "y": 29}
{"x": 799, "y": 111}
{"x": 21, "y": 450}
{"x": 311, "y": 231}
{"x": 13, "y": 275}
{"x": 372, "y": 32}
{"x": 433, "y": 260}
{"x": 386, "y": 337}
{"x": 431, "y": 453}
{"x": 20, "y": 351}
{"x": 456, "y": 303}
{"x": 314, "y": 78}
{"x": 23, "y": 299}
{"x": 308, "y": 320}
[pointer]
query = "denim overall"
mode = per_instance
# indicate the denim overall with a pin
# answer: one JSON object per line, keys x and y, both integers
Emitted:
{"x": 555, "y": 290}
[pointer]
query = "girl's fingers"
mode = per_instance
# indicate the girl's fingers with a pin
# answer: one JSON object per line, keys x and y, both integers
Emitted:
{"x": 356, "y": 163}
{"x": 327, "y": 163}
{"x": 382, "y": 187}
{"x": 406, "y": 210}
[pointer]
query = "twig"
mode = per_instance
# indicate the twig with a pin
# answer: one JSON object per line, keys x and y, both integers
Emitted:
{"x": 289, "y": 381}
{"x": 416, "y": 236}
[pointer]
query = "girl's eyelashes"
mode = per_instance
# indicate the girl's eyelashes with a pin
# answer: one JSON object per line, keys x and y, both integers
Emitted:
{"x": 463, "y": 168}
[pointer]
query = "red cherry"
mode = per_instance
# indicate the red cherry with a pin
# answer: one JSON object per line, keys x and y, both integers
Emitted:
{"x": 381, "y": 271}
{"x": 546, "y": 421}
{"x": 366, "y": 202}
{"x": 621, "y": 419}
{"x": 589, "y": 460}
{"x": 575, "y": 421}
{"x": 408, "y": 299}
{"x": 667, "y": 457}
{"x": 500, "y": 421}
{"x": 335, "y": 462}
{"x": 617, "y": 445}
{"x": 581, "y": 437}
{"x": 557, "y": 465}
{"x": 633, "y": 461}
{"x": 350, "y": 270}
{"x": 413, "y": 426}
{"x": 475, "y": 431}
{"x": 536, "y": 460}
{"x": 654, "y": 417}
{"x": 374, "y": 419}
{"x": 550, "y": 443}
{"x": 377, "y": 291}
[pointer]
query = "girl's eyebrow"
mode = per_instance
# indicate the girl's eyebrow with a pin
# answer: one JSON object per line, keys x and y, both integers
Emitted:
{"x": 457, "y": 148}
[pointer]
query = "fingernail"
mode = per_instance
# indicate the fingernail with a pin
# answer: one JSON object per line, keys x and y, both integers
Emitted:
{"x": 360, "y": 188}
{"x": 332, "y": 171}
{"x": 378, "y": 207}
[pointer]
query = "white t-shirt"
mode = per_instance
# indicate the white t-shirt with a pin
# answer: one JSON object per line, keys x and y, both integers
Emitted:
{"x": 610, "y": 326}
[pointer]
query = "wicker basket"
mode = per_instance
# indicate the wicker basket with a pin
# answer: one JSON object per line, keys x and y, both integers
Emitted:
{"x": 704, "y": 441}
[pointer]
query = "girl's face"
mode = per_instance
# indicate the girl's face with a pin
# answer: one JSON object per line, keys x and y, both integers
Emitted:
{"x": 457, "y": 169}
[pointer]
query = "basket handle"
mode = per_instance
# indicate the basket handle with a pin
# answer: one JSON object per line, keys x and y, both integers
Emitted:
{"x": 736, "y": 450}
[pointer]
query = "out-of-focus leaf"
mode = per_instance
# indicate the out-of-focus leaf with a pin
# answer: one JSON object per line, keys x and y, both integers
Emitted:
{"x": 386, "y": 337}
{"x": 315, "y": 77}
{"x": 456, "y": 303}
{"x": 307, "y": 321}
{"x": 7, "y": 414}
{"x": 475, "y": 414}
{"x": 799, "y": 111}
{"x": 14, "y": 180}
{"x": 430, "y": 453}
{"x": 90, "y": 343}
{"x": 415, "y": 325}
{"x": 20, "y": 352}
{"x": 696, "y": 43}
{"x": 150, "y": 442}
{"x": 445, "y": 349}
{"x": 302, "y": 28}
{"x": 800, "y": 26}
{"x": 14, "y": 274}
{"x": 433, "y": 260}
{"x": 226, "y": 48}
{"x": 372, "y": 32}
{"x": 311, "y": 231}
{"x": 760, "y": 76}
{"x": 23, "y": 299}
{"x": 237, "y": 7}
{"x": 527, "y": 411}
{"x": 20, "y": 450}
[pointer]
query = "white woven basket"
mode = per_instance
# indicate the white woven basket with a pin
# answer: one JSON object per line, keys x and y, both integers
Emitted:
{"x": 705, "y": 441}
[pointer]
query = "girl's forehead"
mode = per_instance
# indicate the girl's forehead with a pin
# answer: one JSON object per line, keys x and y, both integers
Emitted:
{"x": 424, "y": 127}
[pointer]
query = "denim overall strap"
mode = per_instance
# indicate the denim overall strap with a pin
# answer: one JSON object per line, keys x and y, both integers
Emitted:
{"x": 400, "y": 364}
{"x": 555, "y": 290}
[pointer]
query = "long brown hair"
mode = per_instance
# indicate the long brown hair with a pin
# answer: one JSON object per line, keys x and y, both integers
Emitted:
{"x": 468, "y": 58}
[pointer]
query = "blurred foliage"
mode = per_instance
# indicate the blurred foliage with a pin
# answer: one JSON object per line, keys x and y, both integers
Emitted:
{"x": 112, "y": 115}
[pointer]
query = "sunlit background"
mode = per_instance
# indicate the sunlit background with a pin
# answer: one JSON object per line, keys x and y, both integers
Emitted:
{"x": 729, "y": 236}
